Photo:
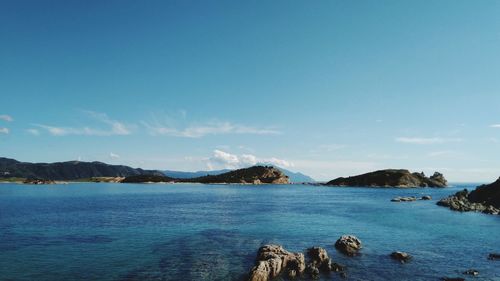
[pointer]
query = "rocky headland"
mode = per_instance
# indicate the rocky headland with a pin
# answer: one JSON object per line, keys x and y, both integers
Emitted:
{"x": 485, "y": 199}
{"x": 391, "y": 178}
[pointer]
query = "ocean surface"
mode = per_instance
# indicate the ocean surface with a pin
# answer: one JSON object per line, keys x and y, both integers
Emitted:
{"x": 212, "y": 232}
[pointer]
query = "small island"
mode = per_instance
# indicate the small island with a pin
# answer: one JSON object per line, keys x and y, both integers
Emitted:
{"x": 391, "y": 178}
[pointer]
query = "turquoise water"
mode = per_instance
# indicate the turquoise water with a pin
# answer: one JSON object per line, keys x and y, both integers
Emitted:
{"x": 212, "y": 232}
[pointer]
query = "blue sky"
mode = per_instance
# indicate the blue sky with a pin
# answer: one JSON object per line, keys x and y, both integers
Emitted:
{"x": 328, "y": 88}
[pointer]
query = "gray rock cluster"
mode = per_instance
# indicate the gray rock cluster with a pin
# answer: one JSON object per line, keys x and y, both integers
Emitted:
{"x": 460, "y": 202}
{"x": 274, "y": 260}
{"x": 401, "y": 256}
{"x": 348, "y": 244}
{"x": 410, "y": 198}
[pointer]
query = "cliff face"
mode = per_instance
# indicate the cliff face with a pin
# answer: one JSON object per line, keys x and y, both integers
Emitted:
{"x": 70, "y": 170}
{"x": 252, "y": 175}
{"x": 392, "y": 178}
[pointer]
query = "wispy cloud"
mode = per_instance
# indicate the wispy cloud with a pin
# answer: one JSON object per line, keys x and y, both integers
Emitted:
{"x": 443, "y": 153}
{"x": 210, "y": 128}
{"x": 423, "y": 141}
{"x": 4, "y": 130}
{"x": 224, "y": 160}
{"x": 6, "y": 118}
{"x": 495, "y": 126}
{"x": 113, "y": 155}
{"x": 34, "y": 132}
{"x": 115, "y": 128}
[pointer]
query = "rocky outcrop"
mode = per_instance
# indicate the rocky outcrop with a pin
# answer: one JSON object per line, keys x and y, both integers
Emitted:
{"x": 401, "y": 256}
{"x": 391, "y": 178}
{"x": 485, "y": 199}
{"x": 272, "y": 260}
{"x": 252, "y": 175}
{"x": 348, "y": 244}
{"x": 319, "y": 261}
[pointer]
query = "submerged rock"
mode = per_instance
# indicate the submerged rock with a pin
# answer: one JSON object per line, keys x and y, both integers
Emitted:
{"x": 494, "y": 256}
{"x": 426, "y": 197}
{"x": 472, "y": 272}
{"x": 348, "y": 244}
{"x": 401, "y": 257}
{"x": 391, "y": 178}
{"x": 452, "y": 279}
{"x": 272, "y": 260}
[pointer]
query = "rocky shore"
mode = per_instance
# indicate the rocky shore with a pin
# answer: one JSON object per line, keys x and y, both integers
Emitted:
{"x": 391, "y": 178}
{"x": 485, "y": 199}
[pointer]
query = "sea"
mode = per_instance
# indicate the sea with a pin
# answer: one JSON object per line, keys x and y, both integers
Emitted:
{"x": 132, "y": 232}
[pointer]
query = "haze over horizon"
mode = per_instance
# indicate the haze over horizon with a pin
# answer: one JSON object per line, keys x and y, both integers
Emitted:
{"x": 329, "y": 89}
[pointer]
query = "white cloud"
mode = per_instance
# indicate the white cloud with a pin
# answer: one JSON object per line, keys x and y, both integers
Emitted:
{"x": 116, "y": 128}
{"x": 495, "y": 126}
{"x": 4, "y": 130}
{"x": 210, "y": 128}
{"x": 6, "y": 118}
{"x": 224, "y": 160}
{"x": 113, "y": 155}
{"x": 423, "y": 141}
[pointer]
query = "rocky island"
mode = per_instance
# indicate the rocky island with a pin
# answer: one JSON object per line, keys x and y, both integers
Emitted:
{"x": 391, "y": 178}
{"x": 485, "y": 199}
{"x": 251, "y": 175}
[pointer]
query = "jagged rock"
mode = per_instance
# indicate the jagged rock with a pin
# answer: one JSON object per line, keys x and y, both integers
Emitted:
{"x": 426, "y": 197}
{"x": 438, "y": 179}
{"x": 494, "y": 256}
{"x": 335, "y": 267}
{"x": 272, "y": 260}
{"x": 401, "y": 257}
{"x": 484, "y": 199}
{"x": 319, "y": 258}
{"x": 471, "y": 272}
{"x": 391, "y": 178}
{"x": 348, "y": 244}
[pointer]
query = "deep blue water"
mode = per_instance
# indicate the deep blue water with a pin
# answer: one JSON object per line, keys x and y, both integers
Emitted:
{"x": 212, "y": 232}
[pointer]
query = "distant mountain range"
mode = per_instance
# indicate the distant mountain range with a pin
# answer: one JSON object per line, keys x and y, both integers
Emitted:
{"x": 70, "y": 170}
{"x": 75, "y": 170}
{"x": 294, "y": 177}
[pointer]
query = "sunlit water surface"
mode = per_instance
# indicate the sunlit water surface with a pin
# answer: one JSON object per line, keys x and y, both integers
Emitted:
{"x": 212, "y": 232}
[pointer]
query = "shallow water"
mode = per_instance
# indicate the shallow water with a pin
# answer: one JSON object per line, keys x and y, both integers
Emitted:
{"x": 211, "y": 232}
